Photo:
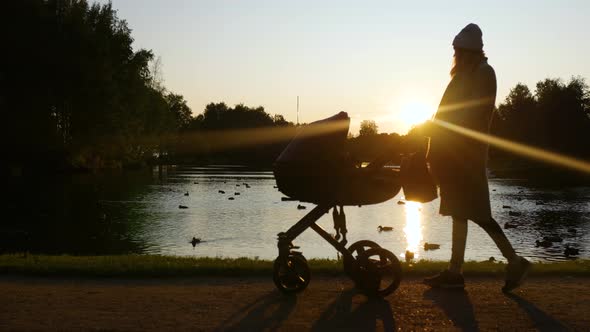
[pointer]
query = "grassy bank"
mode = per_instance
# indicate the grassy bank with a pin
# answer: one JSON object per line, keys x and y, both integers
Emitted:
{"x": 171, "y": 266}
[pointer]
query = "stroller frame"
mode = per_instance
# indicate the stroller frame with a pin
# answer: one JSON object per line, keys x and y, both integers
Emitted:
{"x": 374, "y": 270}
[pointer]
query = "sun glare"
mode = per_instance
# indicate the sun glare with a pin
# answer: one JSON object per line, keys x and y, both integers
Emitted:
{"x": 415, "y": 112}
{"x": 413, "y": 228}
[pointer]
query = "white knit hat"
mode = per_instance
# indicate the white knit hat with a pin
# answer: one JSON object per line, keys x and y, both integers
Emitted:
{"x": 469, "y": 38}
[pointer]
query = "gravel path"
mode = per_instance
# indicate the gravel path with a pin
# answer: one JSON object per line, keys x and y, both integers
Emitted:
{"x": 252, "y": 304}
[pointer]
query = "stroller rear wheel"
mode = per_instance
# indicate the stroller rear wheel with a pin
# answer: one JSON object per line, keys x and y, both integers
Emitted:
{"x": 378, "y": 272}
{"x": 291, "y": 275}
{"x": 361, "y": 246}
{"x": 356, "y": 249}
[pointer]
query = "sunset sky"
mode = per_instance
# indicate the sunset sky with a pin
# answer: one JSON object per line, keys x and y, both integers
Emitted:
{"x": 376, "y": 60}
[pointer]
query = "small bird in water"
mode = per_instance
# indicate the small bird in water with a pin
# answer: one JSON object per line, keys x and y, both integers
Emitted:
{"x": 221, "y": 192}
{"x": 491, "y": 259}
{"x": 509, "y": 225}
{"x": 544, "y": 243}
{"x": 301, "y": 207}
{"x": 195, "y": 240}
{"x": 431, "y": 246}
{"x": 186, "y": 193}
{"x": 236, "y": 193}
{"x": 553, "y": 238}
{"x": 409, "y": 256}
{"x": 231, "y": 198}
{"x": 506, "y": 207}
{"x": 384, "y": 228}
{"x": 569, "y": 251}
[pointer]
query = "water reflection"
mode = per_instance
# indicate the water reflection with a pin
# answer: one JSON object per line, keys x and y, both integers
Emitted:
{"x": 413, "y": 227}
{"x": 137, "y": 212}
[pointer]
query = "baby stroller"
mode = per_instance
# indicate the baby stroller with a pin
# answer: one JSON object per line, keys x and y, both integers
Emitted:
{"x": 313, "y": 168}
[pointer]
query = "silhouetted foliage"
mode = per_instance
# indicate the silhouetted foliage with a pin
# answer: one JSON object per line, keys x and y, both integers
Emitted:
{"x": 368, "y": 127}
{"x": 235, "y": 128}
{"x": 370, "y": 147}
{"x": 555, "y": 118}
{"x": 73, "y": 90}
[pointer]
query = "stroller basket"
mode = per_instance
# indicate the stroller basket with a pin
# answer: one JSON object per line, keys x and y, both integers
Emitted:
{"x": 342, "y": 186}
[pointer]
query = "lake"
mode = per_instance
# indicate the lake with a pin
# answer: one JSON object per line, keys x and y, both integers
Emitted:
{"x": 138, "y": 212}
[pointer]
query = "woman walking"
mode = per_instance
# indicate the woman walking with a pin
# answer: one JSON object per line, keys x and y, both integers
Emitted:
{"x": 458, "y": 162}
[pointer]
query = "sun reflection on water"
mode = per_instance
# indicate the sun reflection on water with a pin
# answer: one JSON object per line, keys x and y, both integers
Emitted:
{"x": 413, "y": 228}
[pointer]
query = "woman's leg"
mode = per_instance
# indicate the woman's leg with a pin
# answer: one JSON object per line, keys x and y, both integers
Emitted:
{"x": 497, "y": 234}
{"x": 452, "y": 278}
{"x": 459, "y": 241}
{"x": 517, "y": 267}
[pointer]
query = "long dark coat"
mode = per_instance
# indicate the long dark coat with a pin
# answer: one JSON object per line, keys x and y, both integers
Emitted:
{"x": 457, "y": 161}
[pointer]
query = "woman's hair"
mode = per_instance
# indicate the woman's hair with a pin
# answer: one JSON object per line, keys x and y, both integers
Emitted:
{"x": 466, "y": 60}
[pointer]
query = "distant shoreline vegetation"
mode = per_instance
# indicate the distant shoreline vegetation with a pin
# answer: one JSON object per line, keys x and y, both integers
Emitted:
{"x": 174, "y": 266}
{"x": 78, "y": 98}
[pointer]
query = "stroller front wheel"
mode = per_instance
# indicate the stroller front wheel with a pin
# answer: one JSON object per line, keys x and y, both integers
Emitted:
{"x": 291, "y": 275}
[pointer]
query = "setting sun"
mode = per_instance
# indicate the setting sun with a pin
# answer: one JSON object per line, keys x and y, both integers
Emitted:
{"x": 415, "y": 112}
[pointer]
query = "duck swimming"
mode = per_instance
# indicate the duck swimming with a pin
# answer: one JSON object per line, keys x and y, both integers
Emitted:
{"x": 553, "y": 238}
{"x": 509, "y": 225}
{"x": 195, "y": 240}
{"x": 301, "y": 207}
{"x": 544, "y": 243}
{"x": 431, "y": 246}
{"x": 569, "y": 251}
{"x": 384, "y": 228}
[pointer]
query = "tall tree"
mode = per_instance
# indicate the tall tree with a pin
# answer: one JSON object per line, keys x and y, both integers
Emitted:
{"x": 368, "y": 128}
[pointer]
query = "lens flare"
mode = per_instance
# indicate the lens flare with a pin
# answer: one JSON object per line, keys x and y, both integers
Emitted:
{"x": 221, "y": 140}
{"x": 519, "y": 148}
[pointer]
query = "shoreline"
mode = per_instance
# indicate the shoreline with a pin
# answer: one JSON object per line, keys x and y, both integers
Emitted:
{"x": 176, "y": 266}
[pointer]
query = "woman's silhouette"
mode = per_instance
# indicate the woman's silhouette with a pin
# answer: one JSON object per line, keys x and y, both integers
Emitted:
{"x": 458, "y": 163}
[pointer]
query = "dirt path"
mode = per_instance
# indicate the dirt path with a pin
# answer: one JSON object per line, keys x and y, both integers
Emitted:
{"x": 248, "y": 304}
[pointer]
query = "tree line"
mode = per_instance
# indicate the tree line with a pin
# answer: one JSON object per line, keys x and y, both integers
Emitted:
{"x": 554, "y": 117}
{"x": 74, "y": 94}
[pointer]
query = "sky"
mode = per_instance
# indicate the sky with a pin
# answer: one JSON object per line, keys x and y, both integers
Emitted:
{"x": 386, "y": 61}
